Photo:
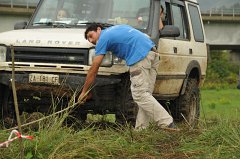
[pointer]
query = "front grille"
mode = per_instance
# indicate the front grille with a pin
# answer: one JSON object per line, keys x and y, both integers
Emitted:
{"x": 49, "y": 55}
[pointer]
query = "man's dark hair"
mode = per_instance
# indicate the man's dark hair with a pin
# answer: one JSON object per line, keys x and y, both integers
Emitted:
{"x": 162, "y": 9}
{"x": 92, "y": 27}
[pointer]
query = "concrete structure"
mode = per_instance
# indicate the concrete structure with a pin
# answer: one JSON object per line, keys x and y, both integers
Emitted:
{"x": 222, "y": 30}
{"x": 12, "y": 12}
{"x": 9, "y": 19}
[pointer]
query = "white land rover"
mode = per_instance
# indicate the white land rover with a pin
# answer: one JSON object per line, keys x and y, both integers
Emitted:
{"x": 52, "y": 57}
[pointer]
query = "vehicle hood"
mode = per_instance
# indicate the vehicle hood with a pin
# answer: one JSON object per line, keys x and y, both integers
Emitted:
{"x": 64, "y": 37}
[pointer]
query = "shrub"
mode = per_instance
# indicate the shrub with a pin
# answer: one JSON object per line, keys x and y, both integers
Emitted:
{"x": 221, "y": 73}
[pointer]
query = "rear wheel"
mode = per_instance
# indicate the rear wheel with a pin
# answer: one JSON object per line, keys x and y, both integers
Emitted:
{"x": 187, "y": 106}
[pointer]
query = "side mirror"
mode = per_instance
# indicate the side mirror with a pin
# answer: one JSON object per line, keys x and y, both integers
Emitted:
{"x": 170, "y": 31}
{"x": 20, "y": 25}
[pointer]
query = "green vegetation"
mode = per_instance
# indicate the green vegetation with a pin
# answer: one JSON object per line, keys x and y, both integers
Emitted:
{"x": 221, "y": 104}
{"x": 221, "y": 73}
{"x": 218, "y": 136}
{"x": 221, "y": 141}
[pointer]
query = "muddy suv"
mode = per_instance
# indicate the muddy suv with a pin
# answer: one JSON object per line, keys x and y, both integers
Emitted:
{"x": 52, "y": 57}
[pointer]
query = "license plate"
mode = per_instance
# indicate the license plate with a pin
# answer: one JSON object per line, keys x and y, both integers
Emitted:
{"x": 44, "y": 78}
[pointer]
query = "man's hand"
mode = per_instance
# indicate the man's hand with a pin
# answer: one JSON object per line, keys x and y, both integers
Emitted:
{"x": 83, "y": 97}
{"x": 90, "y": 79}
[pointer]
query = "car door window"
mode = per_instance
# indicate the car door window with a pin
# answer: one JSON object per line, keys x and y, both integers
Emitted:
{"x": 196, "y": 23}
{"x": 166, "y": 19}
{"x": 179, "y": 20}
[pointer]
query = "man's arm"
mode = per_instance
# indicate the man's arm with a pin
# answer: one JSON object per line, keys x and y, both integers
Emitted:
{"x": 91, "y": 76}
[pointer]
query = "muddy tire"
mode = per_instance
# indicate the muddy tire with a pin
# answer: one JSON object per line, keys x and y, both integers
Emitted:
{"x": 8, "y": 117}
{"x": 187, "y": 106}
{"x": 127, "y": 112}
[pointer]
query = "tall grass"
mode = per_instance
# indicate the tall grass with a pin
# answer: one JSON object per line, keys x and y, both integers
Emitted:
{"x": 218, "y": 136}
{"x": 221, "y": 141}
{"x": 65, "y": 142}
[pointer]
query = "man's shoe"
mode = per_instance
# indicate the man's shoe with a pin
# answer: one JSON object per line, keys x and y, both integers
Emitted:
{"x": 171, "y": 127}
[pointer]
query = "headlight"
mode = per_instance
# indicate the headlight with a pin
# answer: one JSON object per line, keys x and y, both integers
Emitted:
{"x": 107, "y": 61}
{"x": 3, "y": 51}
{"x": 118, "y": 61}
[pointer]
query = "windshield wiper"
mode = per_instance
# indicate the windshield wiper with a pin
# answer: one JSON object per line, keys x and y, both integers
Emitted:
{"x": 44, "y": 23}
{"x": 54, "y": 24}
{"x": 105, "y": 25}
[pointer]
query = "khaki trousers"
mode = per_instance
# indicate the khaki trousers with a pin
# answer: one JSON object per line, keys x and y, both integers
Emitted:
{"x": 143, "y": 76}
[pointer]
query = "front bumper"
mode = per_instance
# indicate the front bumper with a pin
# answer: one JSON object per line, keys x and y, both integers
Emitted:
{"x": 67, "y": 81}
{"x": 103, "y": 92}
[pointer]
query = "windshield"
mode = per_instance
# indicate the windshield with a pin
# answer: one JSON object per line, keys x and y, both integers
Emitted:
{"x": 82, "y": 12}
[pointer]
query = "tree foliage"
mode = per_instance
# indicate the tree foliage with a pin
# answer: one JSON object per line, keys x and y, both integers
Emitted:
{"x": 221, "y": 72}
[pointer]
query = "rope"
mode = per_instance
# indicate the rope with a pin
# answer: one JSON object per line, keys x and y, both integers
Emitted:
{"x": 10, "y": 139}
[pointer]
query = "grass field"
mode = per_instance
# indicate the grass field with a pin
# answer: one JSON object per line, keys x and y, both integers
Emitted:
{"x": 224, "y": 104}
{"x": 218, "y": 136}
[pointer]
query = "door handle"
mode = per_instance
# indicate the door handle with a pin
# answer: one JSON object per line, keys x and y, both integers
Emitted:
{"x": 175, "y": 50}
{"x": 190, "y": 51}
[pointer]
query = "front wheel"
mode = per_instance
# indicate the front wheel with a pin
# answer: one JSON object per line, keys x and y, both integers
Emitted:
{"x": 127, "y": 111}
{"x": 8, "y": 117}
{"x": 187, "y": 106}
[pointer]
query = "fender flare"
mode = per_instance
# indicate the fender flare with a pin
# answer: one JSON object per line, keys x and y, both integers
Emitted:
{"x": 193, "y": 71}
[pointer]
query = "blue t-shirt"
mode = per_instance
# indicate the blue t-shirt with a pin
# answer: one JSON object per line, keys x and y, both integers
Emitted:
{"x": 125, "y": 42}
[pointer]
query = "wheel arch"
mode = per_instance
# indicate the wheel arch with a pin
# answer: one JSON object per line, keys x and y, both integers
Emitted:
{"x": 193, "y": 71}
